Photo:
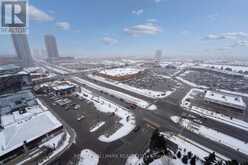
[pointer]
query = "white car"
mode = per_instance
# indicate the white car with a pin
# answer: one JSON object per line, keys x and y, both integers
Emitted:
{"x": 76, "y": 107}
{"x": 80, "y": 118}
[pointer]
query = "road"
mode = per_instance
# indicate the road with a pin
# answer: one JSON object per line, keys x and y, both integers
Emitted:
{"x": 136, "y": 142}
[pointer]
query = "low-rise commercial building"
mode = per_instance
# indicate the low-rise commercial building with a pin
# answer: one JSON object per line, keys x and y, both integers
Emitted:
{"x": 24, "y": 124}
{"x": 61, "y": 88}
{"x": 232, "y": 101}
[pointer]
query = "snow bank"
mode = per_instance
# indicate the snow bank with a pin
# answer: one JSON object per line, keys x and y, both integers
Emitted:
{"x": 41, "y": 105}
{"x": 221, "y": 118}
{"x": 140, "y": 91}
{"x": 213, "y": 135}
{"x": 127, "y": 118}
{"x": 98, "y": 125}
{"x": 196, "y": 148}
{"x": 133, "y": 160}
{"x": 210, "y": 114}
{"x": 164, "y": 160}
{"x": 88, "y": 157}
{"x": 191, "y": 83}
{"x": 139, "y": 102}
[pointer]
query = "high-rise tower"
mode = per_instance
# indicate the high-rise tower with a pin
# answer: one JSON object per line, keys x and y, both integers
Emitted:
{"x": 51, "y": 46}
{"x": 22, "y": 48}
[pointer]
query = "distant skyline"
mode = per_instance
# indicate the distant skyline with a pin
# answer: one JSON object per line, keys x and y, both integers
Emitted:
{"x": 181, "y": 28}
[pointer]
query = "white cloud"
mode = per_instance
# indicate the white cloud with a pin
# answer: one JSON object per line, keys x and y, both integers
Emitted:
{"x": 227, "y": 36}
{"x": 63, "y": 25}
{"x": 143, "y": 29}
{"x": 138, "y": 12}
{"x": 109, "y": 41}
{"x": 36, "y": 14}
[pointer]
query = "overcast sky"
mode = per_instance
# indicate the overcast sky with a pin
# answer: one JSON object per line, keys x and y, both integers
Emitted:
{"x": 190, "y": 28}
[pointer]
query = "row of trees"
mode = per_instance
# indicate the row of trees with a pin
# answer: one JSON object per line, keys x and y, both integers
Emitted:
{"x": 158, "y": 148}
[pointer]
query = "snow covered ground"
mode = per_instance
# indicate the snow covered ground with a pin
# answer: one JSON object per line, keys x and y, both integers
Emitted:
{"x": 127, "y": 118}
{"x": 143, "y": 92}
{"x": 56, "y": 70}
{"x": 60, "y": 149}
{"x": 213, "y": 135}
{"x": 41, "y": 105}
{"x": 164, "y": 160}
{"x": 88, "y": 157}
{"x": 139, "y": 102}
{"x": 97, "y": 126}
{"x": 234, "y": 68}
{"x": 210, "y": 114}
{"x": 53, "y": 142}
{"x": 190, "y": 83}
{"x": 57, "y": 151}
{"x": 184, "y": 143}
{"x": 221, "y": 118}
{"x": 121, "y": 71}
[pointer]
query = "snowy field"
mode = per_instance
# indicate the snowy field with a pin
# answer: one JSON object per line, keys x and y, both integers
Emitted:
{"x": 127, "y": 118}
{"x": 130, "y": 99}
{"x": 144, "y": 92}
{"x": 120, "y": 71}
{"x": 213, "y": 135}
{"x": 88, "y": 157}
{"x": 210, "y": 114}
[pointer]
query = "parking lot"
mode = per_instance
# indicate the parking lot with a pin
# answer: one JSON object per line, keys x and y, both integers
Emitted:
{"x": 219, "y": 81}
{"x": 84, "y": 112}
{"x": 151, "y": 81}
{"x": 167, "y": 70}
{"x": 91, "y": 117}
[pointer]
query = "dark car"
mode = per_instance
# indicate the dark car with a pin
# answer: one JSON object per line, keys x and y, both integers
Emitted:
{"x": 136, "y": 129}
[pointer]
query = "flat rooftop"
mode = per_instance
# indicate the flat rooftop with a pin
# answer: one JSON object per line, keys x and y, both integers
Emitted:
{"x": 60, "y": 85}
{"x": 225, "y": 98}
{"x": 30, "y": 128}
{"x": 120, "y": 71}
{"x": 63, "y": 87}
